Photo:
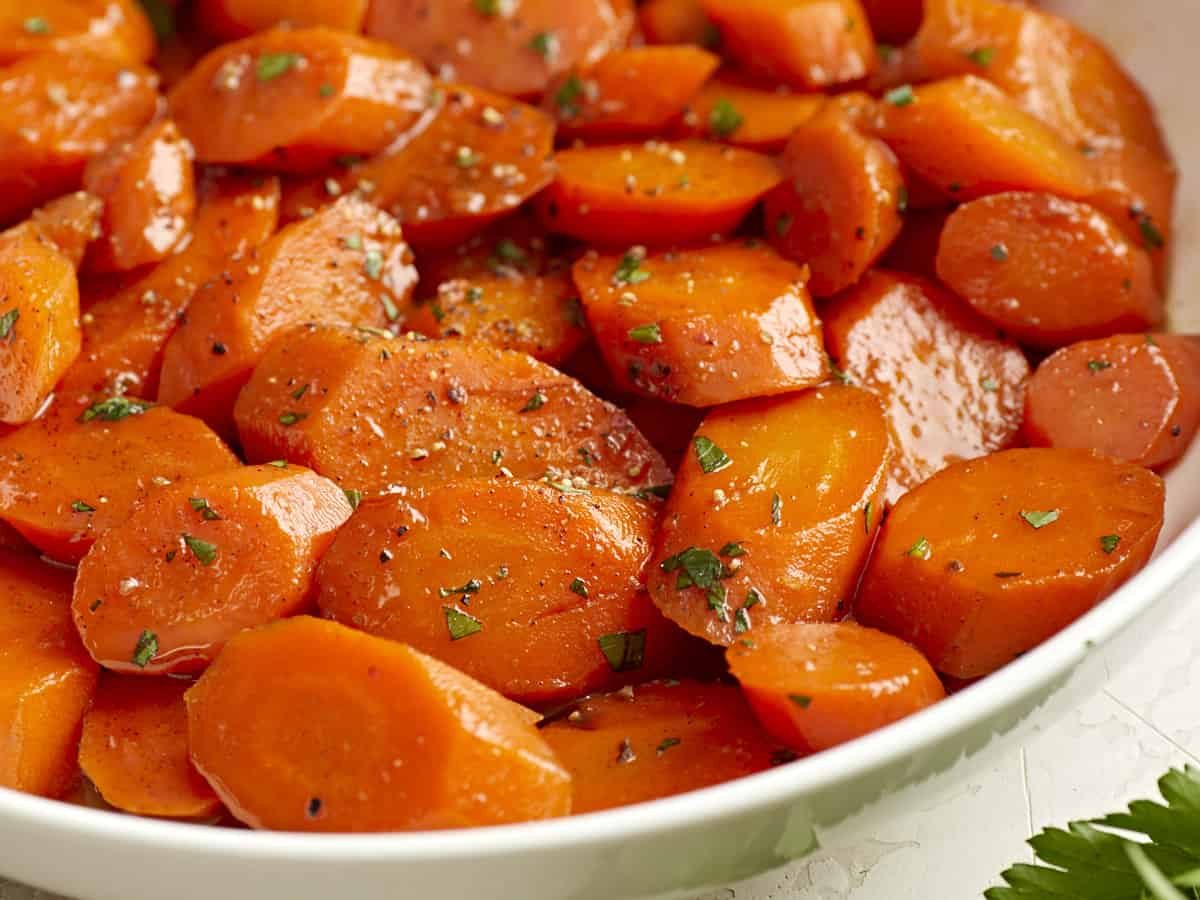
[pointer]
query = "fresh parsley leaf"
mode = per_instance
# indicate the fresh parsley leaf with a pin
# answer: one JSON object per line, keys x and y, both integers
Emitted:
{"x": 999, "y": 252}
{"x": 667, "y": 744}
{"x": 545, "y": 44}
{"x": 36, "y": 25}
{"x": 536, "y": 401}
{"x": 1099, "y": 365}
{"x": 568, "y": 95}
{"x": 201, "y": 506}
{"x": 732, "y": 550}
{"x": 920, "y": 550}
{"x": 81, "y": 506}
{"x": 1040, "y": 518}
{"x": 145, "y": 649}
{"x": 204, "y": 552}
{"x": 801, "y": 700}
{"x": 373, "y": 264}
{"x": 646, "y": 334}
{"x": 989, "y": 384}
{"x": 353, "y": 497}
{"x": 724, "y": 119}
{"x": 982, "y": 56}
{"x": 1109, "y": 542}
{"x": 460, "y": 624}
{"x": 114, "y": 409}
{"x": 624, "y": 650}
{"x": 711, "y": 457}
{"x": 288, "y": 419}
{"x": 272, "y": 65}
{"x": 700, "y": 568}
{"x": 900, "y": 96}
{"x": 629, "y": 270}
{"x": 1151, "y": 236}
{"x": 8, "y": 321}
{"x": 579, "y": 586}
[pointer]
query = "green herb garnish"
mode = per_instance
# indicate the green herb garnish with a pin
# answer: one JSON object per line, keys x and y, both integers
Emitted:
{"x": 579, "y": 586}
{"x": 1109, "y": 542}
{"x": 900, "y": 96}
{"x": 272, "y": 65}
{"x": 460, "y": 624}
{"x": 145, "y": 649}
{"x": 204, "y": 552}
{"x": 629, "y": 270}
{"x": 711, "y": 457}
{"x": 724, "y": 119}
{"x": 624, "y": 650}
{"x": 8, "y": 321}
{"x": 1040, "y": 518}
{"x": 646, "y": 334}
{"x": 536, "y": 401}
{"x": 114, "y": 409}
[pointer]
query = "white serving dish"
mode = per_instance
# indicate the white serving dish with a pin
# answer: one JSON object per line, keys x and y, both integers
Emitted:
{"x": 676, "y": 847}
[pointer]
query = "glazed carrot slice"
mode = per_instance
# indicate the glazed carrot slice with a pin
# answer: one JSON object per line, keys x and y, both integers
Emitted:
{"x": 894, "y": 20}
{"x": 1134, "y": 397}
{"x": 81, "y": 105}
{"x": 515, "y": 49}
{"x": 805, "y": 43}
{"x": 124, "y": 334}
{"x": 379, "y": 412}
{"x": 70, "y": 222}
{"x": 654, "y": 193}
{"x": 952, "y": 386}
{"x": 46, "y": 678}
{"x": 915, "y": 249}
{"x": 134, "y": 749}
{"x": 233, "y": 19}
{"x": 348, "y": 263}
{"x": 1048, "y": 271}
{"x": 115, "y": 29}
{"x": 537, "y": 593}
{"x": 988, "y": 558}
{"x": 661, "y": 739}
{"x": 814, "y": 686}
{"x": 841, "y": 202}
{"x": 200, "y": 560}
{"x": 628, "y": 93}
{"x": 108, "y": 457}
{"x": 294, "y": 100}
{"x": 479, "y": 158}
{"x": 306, "y": 725}
{"x": 735, "y": 109}
{"x": 773, "y": 513}
{"x": 702, "y": 327}
{"x": 677, "y": 22}
{"x": 967, "y": 138}
{"x": 149, "y": 196}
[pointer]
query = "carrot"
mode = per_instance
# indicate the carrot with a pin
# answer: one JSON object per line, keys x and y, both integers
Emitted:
{"x": 306, "y": 725}
{"x": 805, "y": 43}
{"x": 381, "y": 412}
{"x": 70, "y": 222}
{"x": 134, "y": 749}
{"x": 107, "y": 458}
{"x": 479, "y": 158}
{"x": 841, "y": 203}
{"x": 296, "y": 100}
{"x": 124, "y": 333}
{"x": 773, "y": 513}
{"x": 628, "y": 94}
{"x": 537, "y": 593}
{"x": 739, "y": 110}
{"x": 115, "y": 29}
{"x": 721, "y": 323}
{"x": 515, "y": 50}
{"x": 816, "y": 686}
{"x": 894, "y": 20}
{"x": 199, "y": 560}
{"x": 677, "y": 22}
{"x": 952, "y": 386}
{"x": 348, "y": 263}
{"x": 1048, "y": 271}
{"x": 654, "y": 192}
{"x": 916, "y": 247}
{"x": 46, "y": 678}
{"x": 967, "y": 138}
{"x": 233, "y": 19}
{"x": 661, "y": 739}
{"x": 81, "y": 105}
{"x": 1134, "y": 397}
{"x": 990, "y": 557}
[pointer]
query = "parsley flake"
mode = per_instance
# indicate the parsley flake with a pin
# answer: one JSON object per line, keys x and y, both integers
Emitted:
{"x": 667, "y": 744}
{"x": 801, "y": 700}
{"x": 981, "y": 56}
{"x": 353, "y": 497}
{"x": 711, "y": 457}
{"x": 545, "y": 44}
{"x": 999, "y": 252}
{"x": 36, "y": 25}
{"x": 460, "y": 624}
{"x": 629, "y": 270}
{"x": 579, "y": 586}
{"x": 145, "y": 649}
{"x": 1098, "y": 365}
{"x": 8, "y": 321}
{"x": 204, "y": 552}
{"x": 920, "y": 550}
{"x": 646, "y": 334}
{"x": 732, "y": 550}
{"x": 989, "y": 384}
{"x": 1109, "y": 542}
{"x": 373, "y": 264}
{"x": 537, "y": 401}
{"x": 114, "y": 409}
{"x": 724, "y": 119}
{"x": 81, "y": 506}
{"x": 1040, "y": 518}
{"x": 288, "y": 419}
{"x": 272, "y": 65}
{"x": 624, "y": 650}
{"x": 567, "y": 97}
{"x": 900, "y": 96}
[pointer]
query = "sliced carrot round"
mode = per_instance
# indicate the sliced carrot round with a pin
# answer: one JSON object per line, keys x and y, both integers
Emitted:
{"x": 745, "y": 112}
{"x": 677, "y": 22}
{"x": 115, "y": 29}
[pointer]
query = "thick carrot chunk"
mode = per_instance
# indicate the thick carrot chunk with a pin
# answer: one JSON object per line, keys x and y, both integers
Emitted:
{"x": 817, "y": 686}
{"x": 705, "y": 326}
{"x": 200, "y": 560}
{"x": 115, "y": 29}
{"x": 306, "y": 725}
{"x": 988, "y": 558}
{"x": 233, "y": 19}
{"x": 746, "y": 113}
{"x": 677, "y": 22}
{"x": 71, "y": 223}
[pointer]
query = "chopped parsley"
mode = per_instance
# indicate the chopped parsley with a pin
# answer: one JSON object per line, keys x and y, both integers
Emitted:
{"x": 114, "y": 409}
{"x": 1151, "y": 236}
{"x": 920, "y": 550}
{"x": 82, "y": 506}
{"x": 741, "y": 621}
{"x": 711, "y": 457}
{"x": 801, "y": 700}
{"x": 353, "y": 497}
{"x": 1099, "y": 365}
{"x": 732, "y": 550}
{"x": 8, "y": 321}
{"x": 392, "y": 311}
{"x": 578, "y": 586}
{"x": 981, "y": 56}
{"x": 646, "y": 334}
{"x": 487, "y": 7}
{"x": 629, "y": 270}
{"x": 900, "y": 96}
{"x": 288, "y": 419}
{"x": 624, "y": 650}
{"x": 471, "y": 587}
{"x": 697, "y": 567}
{"x": 537, "y": 401}
{"x": 465, "y": 158}
{"x": 545, "y": 44}
{"x": 567, "y": 97}
{"x": 200, "y": 505}
{"x": 204, "y": 552}
{"x": 373, "y": 264}
{"x": 36, "y": 25}
{"x": 460, "y": 624}
{"x": 507, "y": 251}
{"x": 353, "y": 242}
{"x": 145, "y": 649}
{"x": 776, "y": 509}
{"x": 667, "y": 744}
{"x": 325, "y": 90}
{"x": 999, "y": 252}
{"x": 272, "y": 65}
{"x": 724, "y": 119}
{"x": 1040, "y": 518}
{"x": 1109, "y": 542}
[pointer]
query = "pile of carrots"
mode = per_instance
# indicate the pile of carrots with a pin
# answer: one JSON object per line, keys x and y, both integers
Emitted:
{"x": 440, "y": 413}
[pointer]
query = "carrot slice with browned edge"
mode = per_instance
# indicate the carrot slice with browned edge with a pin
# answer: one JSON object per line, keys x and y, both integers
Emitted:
{"x": 134, "y": 749}
{"x": 841, "y": 203}
{"x": 537, "y": 593}
{"x": 46, "y": 678}
{"x": 200, "y": 560}
{"x": 514, "y": 48}
{"x": 658, "y": 740}
{"x": 1134, "y": 397}
{"x": 373, "y": 413}
{"x": 738, "y": 110}
{"x": 654, "y": 193}
{"x": 677, "y": 22}
{"x": 480, "y": 157}
{"x": 805, "y": 43}
{"x": 306, "y": 725}
{"x": 115, "y": 29}
{"x": 628, "y": 93}
{"x": 990, "y": 557}
{"x": 773, "y": 513}
{"x": 233, "y": 19}
{"x": 346, "y": 264}
{"x": 295, "y": 100}
{"x": 952, "y": 386}
{"x": 1048, "y": 271}
{"x": 815, "y": 686}
{"x": 105, "y": 461}
{"x": 706, "y": 326}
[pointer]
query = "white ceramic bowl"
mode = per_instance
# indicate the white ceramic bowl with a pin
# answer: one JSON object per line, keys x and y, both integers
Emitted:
{"x": 677, "y": 846}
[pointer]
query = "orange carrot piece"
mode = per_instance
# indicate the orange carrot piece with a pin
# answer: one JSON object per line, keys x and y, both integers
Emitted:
{"x": 664, "y": 738}
{"x": 307, "y": 725}
{"x": 721, "y": 323}
{"x": 894, "y": 20}
{"x": 816, "y": 686}
{"x": 1048, "y": 271}
{"x": 46, "y": 678}
{"x": 233, "y": 19}
{"x": 1134, "y": 397}
{"x": 114, "y": 29}
{"x": 70, "y": 223}
{"x": 681, "y": 192}
{"x": 988, "y": 558}
{"x": 738, "y": 110}
{"x": 134, "y": 749}
{"x": 296, "y": 100}
{"x": 379, "y": 412}
{"x": 677, "y": 22}
{"x": 667, "y": 426}
{"x": 773, "y": 513}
